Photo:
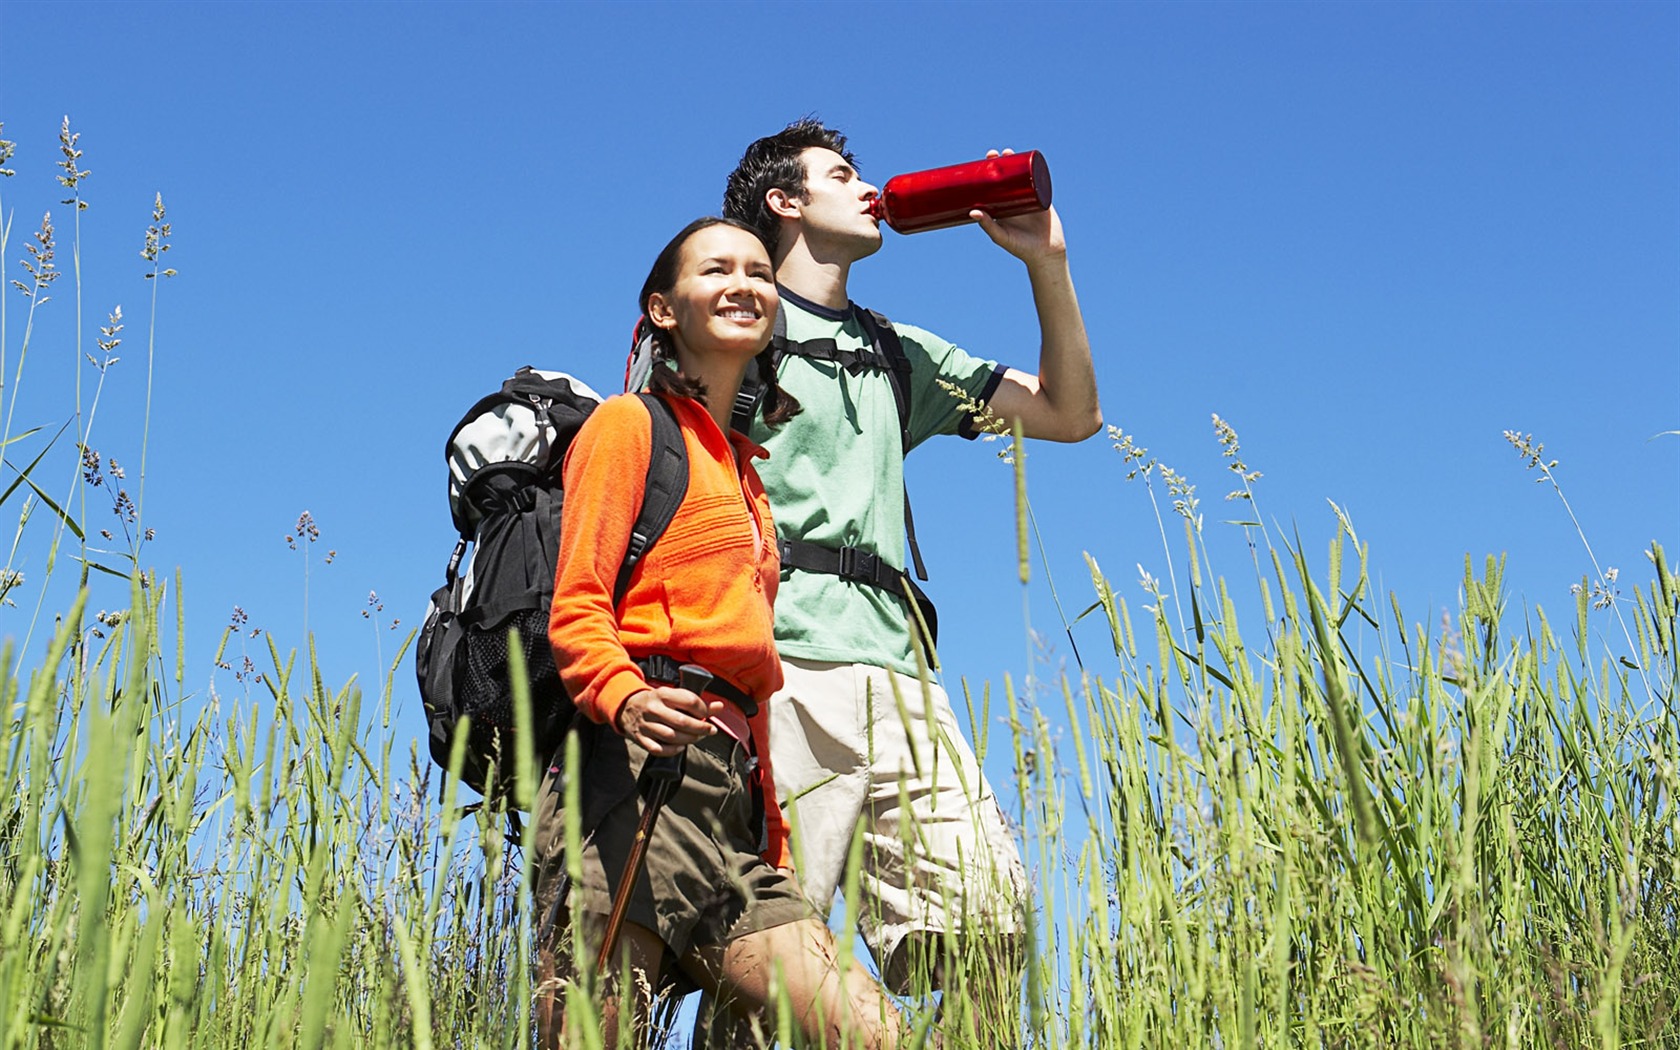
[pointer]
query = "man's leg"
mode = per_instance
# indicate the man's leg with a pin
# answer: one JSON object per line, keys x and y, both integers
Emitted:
{"x": 940, "y": 864}
{"x": 978, "y": 974}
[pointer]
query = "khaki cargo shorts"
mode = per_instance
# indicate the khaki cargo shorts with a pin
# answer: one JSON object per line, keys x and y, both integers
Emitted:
{"x": 848, "y": 753}
{"x": 703, "y": 881}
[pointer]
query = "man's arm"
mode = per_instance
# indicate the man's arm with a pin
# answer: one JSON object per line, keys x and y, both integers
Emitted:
{"x": 1060, "y": 402}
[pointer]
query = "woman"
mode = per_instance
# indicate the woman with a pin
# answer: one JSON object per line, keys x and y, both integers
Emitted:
{"x": 716, "y": 903}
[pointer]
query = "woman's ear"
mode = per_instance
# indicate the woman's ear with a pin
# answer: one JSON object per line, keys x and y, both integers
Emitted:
{"x": 659, "y": 312}
{"x": 781, "y": 204}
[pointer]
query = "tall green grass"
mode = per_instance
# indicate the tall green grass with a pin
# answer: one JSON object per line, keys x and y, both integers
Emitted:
{"x": 1296, "y": 819}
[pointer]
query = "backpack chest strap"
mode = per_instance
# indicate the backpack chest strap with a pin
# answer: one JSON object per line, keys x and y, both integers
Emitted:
{"x": 848, "y": 563}
{"x": 860, "y": 566}
{"x": 855, "y": 360}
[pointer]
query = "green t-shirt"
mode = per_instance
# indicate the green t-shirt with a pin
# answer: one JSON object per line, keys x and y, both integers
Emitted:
{"x": 835, "y": 477}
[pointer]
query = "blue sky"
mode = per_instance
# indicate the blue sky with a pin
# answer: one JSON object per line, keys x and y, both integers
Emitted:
{"x": 1370, "y": 236}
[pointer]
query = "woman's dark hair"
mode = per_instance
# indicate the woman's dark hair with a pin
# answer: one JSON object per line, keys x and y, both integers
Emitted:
{"x": 666, "y": 377}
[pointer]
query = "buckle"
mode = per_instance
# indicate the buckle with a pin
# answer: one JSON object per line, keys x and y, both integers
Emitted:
{"x": 746, "y": 400}
{"x": 658, "y": 668}
{"x": 859, "y": 565}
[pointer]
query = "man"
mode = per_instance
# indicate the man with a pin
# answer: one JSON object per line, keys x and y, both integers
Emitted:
{"x": 858, "y": 737}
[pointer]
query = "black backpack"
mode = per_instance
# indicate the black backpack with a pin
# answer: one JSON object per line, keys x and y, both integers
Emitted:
{"x": 505, "y": 458}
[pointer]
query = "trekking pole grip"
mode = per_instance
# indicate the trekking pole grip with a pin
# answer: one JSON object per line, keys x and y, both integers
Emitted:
{"x": 694, "y": 678}
{"x": 668, "y": 770}
{"x": 662, "y": 770}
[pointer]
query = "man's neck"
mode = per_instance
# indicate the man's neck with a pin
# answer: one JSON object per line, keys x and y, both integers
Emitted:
{"x": 821, "y": 282}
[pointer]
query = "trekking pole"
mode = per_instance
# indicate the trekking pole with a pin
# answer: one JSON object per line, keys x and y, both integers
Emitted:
{"x": 661, "y": 776}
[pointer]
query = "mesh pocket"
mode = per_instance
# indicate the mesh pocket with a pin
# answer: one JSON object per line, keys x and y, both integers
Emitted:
{"x": 488, "y": 688}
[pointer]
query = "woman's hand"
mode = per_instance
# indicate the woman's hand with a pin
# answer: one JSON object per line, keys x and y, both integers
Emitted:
{"x": 663, "y": 720}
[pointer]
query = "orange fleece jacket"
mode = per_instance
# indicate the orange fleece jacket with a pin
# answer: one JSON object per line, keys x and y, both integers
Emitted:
{"x": 703, "y": 592}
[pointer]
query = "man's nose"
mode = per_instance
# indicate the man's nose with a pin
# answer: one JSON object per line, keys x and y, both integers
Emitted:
{"x": 867, "y": 191}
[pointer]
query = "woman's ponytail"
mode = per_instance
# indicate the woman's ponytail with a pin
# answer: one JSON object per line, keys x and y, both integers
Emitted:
{"x": 779, "y": 405}
{"x": 665, "y": 377}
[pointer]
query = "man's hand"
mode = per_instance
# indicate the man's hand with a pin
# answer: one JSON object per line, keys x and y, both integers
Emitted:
{"x": 1059, "y": 403}
{"x": 663, "y": 720}
{"x": 1034, "y": 237}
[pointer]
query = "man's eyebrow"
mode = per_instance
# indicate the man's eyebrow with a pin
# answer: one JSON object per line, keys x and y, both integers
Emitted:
{"x": 842, "y": 168}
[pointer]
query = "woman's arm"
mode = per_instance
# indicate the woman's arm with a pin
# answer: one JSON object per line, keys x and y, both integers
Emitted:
{"x": 600, "y": 508}
{"x": 602, "y": 477}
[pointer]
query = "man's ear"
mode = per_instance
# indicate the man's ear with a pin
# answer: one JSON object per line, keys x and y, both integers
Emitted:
{"x": 781, "y": 204}
{"x": 659, "y": 311}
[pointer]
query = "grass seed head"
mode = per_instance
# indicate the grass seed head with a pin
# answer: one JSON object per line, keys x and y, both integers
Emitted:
{"x": 1232, "y": 450}
{"x": 110, "y": 336}
{"x": 1185, "y": 502}
{"x": 157, "y": 240}
{"x": 1532, "y": 451}
{"x": 74, "y": 173}
{"x": 1131, "y": 453}
{"x": 40, "y": 266}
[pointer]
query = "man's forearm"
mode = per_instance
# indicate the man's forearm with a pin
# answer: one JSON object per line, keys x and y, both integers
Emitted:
{"x": 1066, "y": 378}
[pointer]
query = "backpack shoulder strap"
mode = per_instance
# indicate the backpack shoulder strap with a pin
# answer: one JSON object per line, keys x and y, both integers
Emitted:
{"x": 663, "y": 492}
{"x": 751, "y": 394}
{"x": 885, "y": 352}
{"x": 884, "y": 337}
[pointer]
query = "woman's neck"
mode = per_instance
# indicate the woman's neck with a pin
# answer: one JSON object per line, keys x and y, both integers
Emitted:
{"x": 722, "y": 377}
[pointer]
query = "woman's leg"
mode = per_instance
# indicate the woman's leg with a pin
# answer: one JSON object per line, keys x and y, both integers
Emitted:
{"x": 552, "y": 976}
{"x": 639, "y": 949}
{"x": 831, "y": 1008}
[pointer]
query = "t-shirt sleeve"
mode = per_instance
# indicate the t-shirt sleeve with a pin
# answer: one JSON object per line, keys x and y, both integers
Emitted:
{"x": 943, "y": 377}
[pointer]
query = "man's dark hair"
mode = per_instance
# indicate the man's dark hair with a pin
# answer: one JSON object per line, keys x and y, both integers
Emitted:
{"x": 772, "y": 163}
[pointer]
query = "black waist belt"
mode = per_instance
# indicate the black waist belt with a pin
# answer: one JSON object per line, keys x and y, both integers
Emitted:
{"x": 860, "y": 566}
{"x": 666, "y": 671}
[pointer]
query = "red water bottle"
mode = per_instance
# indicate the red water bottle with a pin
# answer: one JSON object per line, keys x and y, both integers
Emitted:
{"x": 1011, "y": 184}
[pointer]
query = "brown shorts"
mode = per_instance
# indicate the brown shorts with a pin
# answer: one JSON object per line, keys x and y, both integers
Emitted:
{"x": 703, "y": 881}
